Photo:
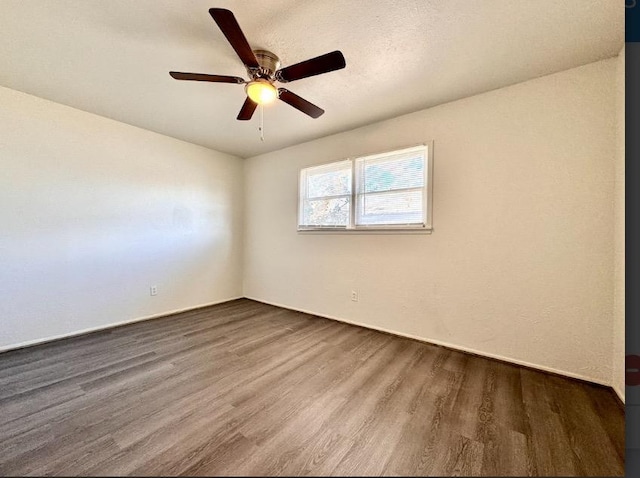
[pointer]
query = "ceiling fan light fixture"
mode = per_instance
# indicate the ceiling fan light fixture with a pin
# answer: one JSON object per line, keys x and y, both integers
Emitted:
{"x": 261, "y": 91}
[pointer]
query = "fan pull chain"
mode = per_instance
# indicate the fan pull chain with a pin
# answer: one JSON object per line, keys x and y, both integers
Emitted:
{"x": 261, "y": 127}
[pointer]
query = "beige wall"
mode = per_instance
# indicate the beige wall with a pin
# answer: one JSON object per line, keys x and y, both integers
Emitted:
{"x": 520, "y": 263}
{"x": 93, "y": 212}
{"x": 619, "y": 303}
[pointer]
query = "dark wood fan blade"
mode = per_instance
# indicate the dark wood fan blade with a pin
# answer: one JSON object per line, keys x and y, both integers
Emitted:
{"x": 300, "y": 103}
{"x": 231, "y": 30}
{"x": 202, "y": 77}
{"x": 315, "y": 66}
{"x": 246, "y": 112}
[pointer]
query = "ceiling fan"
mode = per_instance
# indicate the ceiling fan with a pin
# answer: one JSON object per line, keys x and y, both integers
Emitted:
{"x": 263, "y": 67}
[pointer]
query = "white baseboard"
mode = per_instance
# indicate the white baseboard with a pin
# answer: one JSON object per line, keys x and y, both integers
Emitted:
{"x": 481, "y": 353}
{"x": 6, "y": 348}
{"x": 447, "y": 345}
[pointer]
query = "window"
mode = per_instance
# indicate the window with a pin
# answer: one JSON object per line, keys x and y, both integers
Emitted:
{"x": 325, "y": 195}
{"x": 381, "y": 191}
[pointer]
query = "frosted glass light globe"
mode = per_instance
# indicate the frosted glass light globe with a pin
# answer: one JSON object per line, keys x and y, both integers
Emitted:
{"x": 261, "y": 91}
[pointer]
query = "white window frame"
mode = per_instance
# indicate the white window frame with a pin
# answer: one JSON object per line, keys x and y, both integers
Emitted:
{"x": 352, "y": 228}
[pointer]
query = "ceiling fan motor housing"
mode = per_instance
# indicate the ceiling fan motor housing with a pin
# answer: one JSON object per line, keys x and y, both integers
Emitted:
{"x": 269, "y": 64}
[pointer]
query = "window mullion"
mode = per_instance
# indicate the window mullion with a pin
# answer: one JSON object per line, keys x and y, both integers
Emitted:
{"x": 354, "y": 196}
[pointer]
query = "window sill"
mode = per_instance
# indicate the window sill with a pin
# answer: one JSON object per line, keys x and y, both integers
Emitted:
{"x": 372, "y": 230}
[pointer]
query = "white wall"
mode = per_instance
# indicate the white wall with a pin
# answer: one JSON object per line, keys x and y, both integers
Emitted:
{"x": 619, "y": 302}
{"x": 520, "y": 264}
{"x": 93, "y": 212}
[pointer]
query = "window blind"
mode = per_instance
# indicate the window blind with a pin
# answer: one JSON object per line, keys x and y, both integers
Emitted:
{"x": 390, "y": 188}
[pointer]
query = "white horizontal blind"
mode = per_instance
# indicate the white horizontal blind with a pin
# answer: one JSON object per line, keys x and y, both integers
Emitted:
{"x": 325, "y": 196}
{"x": 390, "y": 189}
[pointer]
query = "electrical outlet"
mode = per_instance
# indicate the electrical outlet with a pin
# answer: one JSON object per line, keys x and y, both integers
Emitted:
{"x": 153, "y": 290}
{"x": 354, "y": 295}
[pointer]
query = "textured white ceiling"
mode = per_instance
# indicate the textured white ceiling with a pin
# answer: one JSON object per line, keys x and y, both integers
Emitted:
{"x": 112, "y": 58}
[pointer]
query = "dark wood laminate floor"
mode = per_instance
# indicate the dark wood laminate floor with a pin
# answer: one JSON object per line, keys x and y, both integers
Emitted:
{"x": 244, "y": 388}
